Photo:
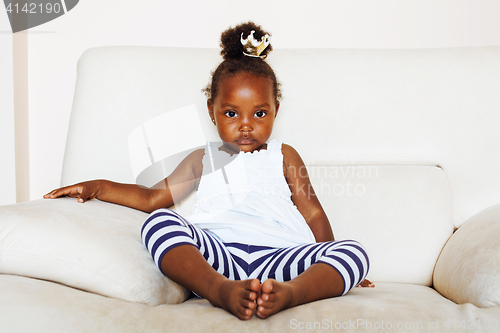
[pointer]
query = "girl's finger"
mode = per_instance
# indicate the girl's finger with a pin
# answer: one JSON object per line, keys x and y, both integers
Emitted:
{"x": 51, "y": 193}
{"x": 64, "y": 191}
{"x": 60, "y": 192}
{"x": 81, "y": 196}
{"x": 84, "y": 194}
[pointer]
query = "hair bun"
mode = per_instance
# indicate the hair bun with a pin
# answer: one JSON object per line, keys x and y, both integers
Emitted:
{"x": 230, "y": 40}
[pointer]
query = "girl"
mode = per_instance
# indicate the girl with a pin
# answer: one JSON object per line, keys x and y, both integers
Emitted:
{"x": 257, "y": 241}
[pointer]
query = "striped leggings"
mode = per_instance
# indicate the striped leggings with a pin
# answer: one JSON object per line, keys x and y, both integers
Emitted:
{"x": 165, "y": 229}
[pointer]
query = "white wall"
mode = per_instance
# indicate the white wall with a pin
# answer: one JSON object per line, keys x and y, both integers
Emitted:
{"x": 55, "y": 47}
{"x": 7, "y": 157}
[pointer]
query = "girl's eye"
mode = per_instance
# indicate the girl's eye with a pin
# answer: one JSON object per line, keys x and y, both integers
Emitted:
{"x": 260, "y": 114}
{"x": 230, "y": 114}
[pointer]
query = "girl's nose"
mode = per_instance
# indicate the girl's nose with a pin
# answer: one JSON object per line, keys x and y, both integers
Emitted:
{"x": 245, "y": 126}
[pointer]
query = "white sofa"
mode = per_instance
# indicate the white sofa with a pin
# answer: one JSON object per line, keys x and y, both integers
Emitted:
{"x": 402, "y": 147}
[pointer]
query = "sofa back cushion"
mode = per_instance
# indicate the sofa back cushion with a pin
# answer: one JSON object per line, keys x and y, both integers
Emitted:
{"x": 400, "y": 213}
{"x": 438, "y": 105}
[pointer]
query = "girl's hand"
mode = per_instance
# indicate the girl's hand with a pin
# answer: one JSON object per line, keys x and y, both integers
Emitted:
{"x": 366, "y": 284}
{"x": 82, "y": 191}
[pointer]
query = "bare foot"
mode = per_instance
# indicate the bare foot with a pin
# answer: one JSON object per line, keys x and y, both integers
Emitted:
{"x": 237, "y": 297}
{"x": 275, "y": 296}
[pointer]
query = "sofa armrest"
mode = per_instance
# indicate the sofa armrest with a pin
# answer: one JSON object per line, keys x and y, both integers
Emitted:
{"x": 468, "y": 269}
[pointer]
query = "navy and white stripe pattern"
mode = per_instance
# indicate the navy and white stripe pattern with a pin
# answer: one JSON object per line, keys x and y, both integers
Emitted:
{"x": 165, "y": 229}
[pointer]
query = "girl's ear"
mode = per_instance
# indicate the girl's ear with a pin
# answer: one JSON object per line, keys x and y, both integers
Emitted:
{"x": 210, "y": 110}
{"x": 277, "y": 108}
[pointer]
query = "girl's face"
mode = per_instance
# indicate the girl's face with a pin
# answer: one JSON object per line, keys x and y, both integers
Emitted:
{"x": 244, "y": 111}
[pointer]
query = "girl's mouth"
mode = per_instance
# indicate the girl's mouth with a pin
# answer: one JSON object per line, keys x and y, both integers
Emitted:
{"x": 245, "y": 141}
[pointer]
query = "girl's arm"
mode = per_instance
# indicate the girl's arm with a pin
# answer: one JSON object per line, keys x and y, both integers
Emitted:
{"x": 174, "y": 188}
{"x": 305, "y": 199}
{"x": 129, "y": 195}
{"x": 303, "y": 195}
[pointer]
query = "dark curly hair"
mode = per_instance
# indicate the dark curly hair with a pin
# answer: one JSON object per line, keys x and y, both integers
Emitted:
{"x": 235, "y": 62}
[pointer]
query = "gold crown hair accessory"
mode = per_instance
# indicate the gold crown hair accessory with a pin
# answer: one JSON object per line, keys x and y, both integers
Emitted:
{"x": 252, "y": 47}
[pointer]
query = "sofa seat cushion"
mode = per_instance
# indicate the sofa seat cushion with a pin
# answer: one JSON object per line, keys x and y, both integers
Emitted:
{"x": 411, "y": 308}
{"x": 95, "y": 246}
{"x": 400, "y": 212}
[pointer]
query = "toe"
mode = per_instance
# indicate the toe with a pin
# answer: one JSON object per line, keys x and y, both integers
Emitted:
{"x": 245, "y": 303}
{"x": 263, "y": 312}
{"x": 245, "y": 313}
{"x": 265, "y": 305}
{"x": 249, "y": 295}
{"x": 267, "y": 298}
{"x": 254, "y": 285}
{"x": 268, "y": 286}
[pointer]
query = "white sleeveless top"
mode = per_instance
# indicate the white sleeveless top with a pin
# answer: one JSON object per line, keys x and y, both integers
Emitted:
{"x": 248, "y": 200}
